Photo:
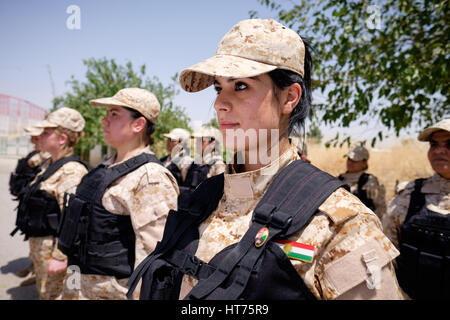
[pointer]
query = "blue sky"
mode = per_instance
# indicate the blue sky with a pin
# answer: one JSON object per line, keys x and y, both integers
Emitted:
{"x": 167, "y": 36}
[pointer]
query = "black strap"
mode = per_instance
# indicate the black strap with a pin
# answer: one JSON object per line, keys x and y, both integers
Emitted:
{"x": 290, "y": 201}
{"x": 123, "y": 169}
{"x": 417, "y": 199}
{"x": 191, "y": 213}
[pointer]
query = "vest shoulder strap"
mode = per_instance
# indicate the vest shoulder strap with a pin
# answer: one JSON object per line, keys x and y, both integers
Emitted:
{"x": 417, "y": 199}
{"x": 123, "y": 169}
{"x": 55, "y": 166}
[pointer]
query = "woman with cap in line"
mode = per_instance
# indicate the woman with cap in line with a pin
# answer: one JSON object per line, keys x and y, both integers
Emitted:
{"x": 262, "y": 75}
{"x": 41, "y": 205}
{"x": 119, "y": 210}
{"x": 179, "y": 159}
{"x": 27, "y": 168}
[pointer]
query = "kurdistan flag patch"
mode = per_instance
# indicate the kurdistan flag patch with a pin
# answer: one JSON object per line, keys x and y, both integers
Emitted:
{"x": 296, "y": 250}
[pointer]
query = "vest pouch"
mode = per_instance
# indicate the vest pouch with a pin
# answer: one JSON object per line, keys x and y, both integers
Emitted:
{"x": 430, "y": 275}
{"x": 69, "y": 223}
{"x": 37, "y": 217}
{"x": 407, "y": 268}
{"x": 53, "y": 221}
{"x": 165, "y": 282}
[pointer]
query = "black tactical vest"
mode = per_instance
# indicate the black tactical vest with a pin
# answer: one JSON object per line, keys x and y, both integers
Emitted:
{"x": 196, "y": 174}
{"x": 94, "y": 239}
{"x": 23, "y": 174}
{"x": 423, "y": 267}
{"x": 360, "y": 192}
{"x": 38, "y": 212}
{"x": 248, "y": 269}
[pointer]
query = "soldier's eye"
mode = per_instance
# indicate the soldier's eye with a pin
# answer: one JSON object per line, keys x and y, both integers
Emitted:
{"x": 240, "y": 86}
{"x": 218, "y": 89}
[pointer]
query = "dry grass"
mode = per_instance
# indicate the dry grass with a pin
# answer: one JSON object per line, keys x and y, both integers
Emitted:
{"x": 403, "y": 162}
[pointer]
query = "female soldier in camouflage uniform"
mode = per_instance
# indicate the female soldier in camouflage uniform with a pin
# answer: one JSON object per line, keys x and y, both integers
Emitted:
{"x": 62, "y": 130}
{"x": 261, "y": 73}
{"x": 123, "y": 217}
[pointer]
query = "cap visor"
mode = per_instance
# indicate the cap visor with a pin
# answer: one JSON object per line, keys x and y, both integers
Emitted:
{"x": 105, "y": 102}
{"x": 201, "y": 75}
{"x": 33, "y": 131}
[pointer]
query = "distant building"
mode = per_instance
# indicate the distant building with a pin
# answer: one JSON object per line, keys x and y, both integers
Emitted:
{"x": 15, "y": 114}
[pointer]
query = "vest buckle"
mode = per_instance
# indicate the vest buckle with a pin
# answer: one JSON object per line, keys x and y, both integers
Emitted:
{"x": 191, "y": 265}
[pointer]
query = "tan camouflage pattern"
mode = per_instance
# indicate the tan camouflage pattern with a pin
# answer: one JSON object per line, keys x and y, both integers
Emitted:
{"x": 38, "y": 158}
{"x": 374, "y": 189}
{"x": 135, "y": 98}
{"x": 358, "y": 153}
{"x": 43, "y": 249}
{"x": 441, "y": 125}
{"x": 63, "y": 117}
{"x": 182, "y": 160}
{"x": 252, "y": 47}
{"x": 437, "y": 198}
{"x": 146, "y": 195}
{"x": 218, "y": 167}
{"x": 347, "y": 237}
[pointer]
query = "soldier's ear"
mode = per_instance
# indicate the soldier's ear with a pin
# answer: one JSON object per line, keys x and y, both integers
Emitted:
{"x": 138, "y": 125}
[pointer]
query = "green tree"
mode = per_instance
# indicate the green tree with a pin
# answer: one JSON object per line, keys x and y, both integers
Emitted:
{"x": 103, "y": 79}
{"x": 385, "y": 61}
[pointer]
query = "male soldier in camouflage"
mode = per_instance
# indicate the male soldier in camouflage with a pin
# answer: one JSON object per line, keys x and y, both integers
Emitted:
{"x": 178, "y": 160}
{"x": 364, "y": 185}
{"x": 418, "y": 222}
{"x": 262, "y": 75}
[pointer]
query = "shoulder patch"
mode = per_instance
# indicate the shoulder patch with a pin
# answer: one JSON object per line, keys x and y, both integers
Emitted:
{"x": 341, "y": 205}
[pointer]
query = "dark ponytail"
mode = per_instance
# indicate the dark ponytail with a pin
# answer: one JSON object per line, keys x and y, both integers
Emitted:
{"x": 284, "y": 78}
{"x": 149, "y": 128}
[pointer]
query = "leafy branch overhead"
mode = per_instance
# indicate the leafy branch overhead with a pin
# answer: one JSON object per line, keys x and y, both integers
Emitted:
{"x": 103, "y": 79}
{"x": 384, "y": 61}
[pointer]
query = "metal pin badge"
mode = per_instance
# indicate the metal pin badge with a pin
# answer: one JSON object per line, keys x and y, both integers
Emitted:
{"x": 261, "y": 237}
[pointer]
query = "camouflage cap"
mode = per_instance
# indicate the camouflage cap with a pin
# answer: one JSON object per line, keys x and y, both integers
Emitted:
{"x": 441, "y": 125}
{"x": 137, "y": 99}
{"x": 33, "y": 131}
{"x": 64, "y": 117}
{"x": 177, "y": 134}
{"x": 208, "y": 131}
{"x": 252, "y": 47}
{"x": 358, "y": 153}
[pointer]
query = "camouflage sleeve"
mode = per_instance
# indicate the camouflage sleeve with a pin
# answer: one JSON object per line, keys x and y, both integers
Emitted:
{"x": 353, "y": 256}
{"x": 396, "y": 213}
{"x": 217, "y": 168}
{"x": 149, "y": 205}
{"x": 376, "y": 191}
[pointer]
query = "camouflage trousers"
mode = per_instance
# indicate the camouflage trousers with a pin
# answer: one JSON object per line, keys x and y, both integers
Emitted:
{"x": 94, "y": 287}
{"x": 48, "y": 286}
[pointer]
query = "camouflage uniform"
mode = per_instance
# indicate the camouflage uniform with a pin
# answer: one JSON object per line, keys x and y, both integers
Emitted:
{"x": 437, "y": 199}
{"x": 43, "y": 249}
{"x": 344, "y": 233}
{"x": 374, "y": 189}
{"x": 218, "y": 167}
{"x": 38, "y": 159}
{"x": 146, "y": 194}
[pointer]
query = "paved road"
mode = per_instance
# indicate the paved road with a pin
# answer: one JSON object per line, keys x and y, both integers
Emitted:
{"x": 13, "y": 251}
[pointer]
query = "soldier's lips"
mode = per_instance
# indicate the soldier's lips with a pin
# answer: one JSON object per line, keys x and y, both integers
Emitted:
{"x": 224, "y": 125}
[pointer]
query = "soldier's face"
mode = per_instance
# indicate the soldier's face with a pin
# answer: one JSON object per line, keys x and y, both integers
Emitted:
{"x": 355, "y": 166}
{"x": 246, "y": 106}
{"x": 50, "y": 141}
{"x": 117, "y": 126}
{"x": 439, "y": 153}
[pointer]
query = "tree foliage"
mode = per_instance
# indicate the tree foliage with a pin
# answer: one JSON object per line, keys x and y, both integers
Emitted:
{"x": 103, "y": 79}
{"x": 384, "y": 61}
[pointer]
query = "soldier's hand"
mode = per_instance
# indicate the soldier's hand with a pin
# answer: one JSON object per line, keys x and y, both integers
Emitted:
{"x": 56, "y": 266}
